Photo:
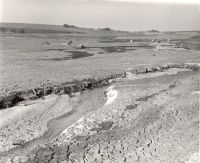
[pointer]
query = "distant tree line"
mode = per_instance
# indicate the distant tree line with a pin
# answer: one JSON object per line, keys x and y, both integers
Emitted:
{"x": 69, "y": 26}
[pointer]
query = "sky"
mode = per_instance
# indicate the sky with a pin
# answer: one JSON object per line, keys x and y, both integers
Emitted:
{"x": 132, "y": 15}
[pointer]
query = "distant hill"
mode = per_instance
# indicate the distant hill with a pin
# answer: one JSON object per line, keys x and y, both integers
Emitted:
{"x": 44, "y": 28}
{"x": 36, "y": 28}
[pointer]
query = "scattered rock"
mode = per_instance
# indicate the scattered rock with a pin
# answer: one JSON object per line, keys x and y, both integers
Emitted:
{"x": 149, "y": 70}
{"x": 103, "y": 126}
{"x": 141, "y": 71}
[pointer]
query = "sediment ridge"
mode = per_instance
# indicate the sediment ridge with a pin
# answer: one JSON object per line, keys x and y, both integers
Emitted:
{"x": 13, "y": 98}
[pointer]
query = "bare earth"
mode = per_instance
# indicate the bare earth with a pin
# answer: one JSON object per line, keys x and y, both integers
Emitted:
{"x": 150, "y": 117}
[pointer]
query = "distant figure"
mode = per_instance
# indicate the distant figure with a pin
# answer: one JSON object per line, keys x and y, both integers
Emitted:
{"x": 81, "y": 46}
{"x": 168, "y": 40}
{"x": 156, "y": 40}
{"x": 131, "y": 41}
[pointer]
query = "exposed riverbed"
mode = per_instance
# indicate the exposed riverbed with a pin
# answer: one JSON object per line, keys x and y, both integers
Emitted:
{"x": 143, "y": 86}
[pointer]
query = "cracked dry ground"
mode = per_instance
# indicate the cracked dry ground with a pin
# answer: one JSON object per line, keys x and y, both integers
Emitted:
{"x": 152, "y": 120}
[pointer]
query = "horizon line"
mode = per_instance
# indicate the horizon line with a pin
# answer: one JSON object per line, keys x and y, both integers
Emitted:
{"x": 101, "y": 27}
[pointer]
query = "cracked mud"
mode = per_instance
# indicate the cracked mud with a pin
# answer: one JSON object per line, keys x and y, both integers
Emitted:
{"x": 153, "y": 122}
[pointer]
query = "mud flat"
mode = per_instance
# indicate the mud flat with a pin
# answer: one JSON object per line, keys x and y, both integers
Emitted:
{"x": 35, "y": 122}
{"x": 151, "y": 114}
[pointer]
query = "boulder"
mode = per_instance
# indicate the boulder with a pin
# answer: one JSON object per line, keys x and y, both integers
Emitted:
{"x": 141, "y": 71}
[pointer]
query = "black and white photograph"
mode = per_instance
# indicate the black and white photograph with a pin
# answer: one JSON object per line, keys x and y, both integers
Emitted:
{"x": 99, "y": 81}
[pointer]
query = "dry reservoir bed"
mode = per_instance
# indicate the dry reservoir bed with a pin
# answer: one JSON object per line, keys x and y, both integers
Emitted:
{"x": 149, "y": 117}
